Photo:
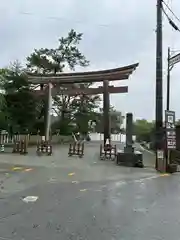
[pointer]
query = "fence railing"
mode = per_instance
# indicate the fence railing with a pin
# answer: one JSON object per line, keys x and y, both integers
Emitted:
{"x": 114, "y": 137}
{"x": 32, "y": 139}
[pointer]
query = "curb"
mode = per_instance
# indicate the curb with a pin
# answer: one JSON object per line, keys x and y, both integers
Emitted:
{"x": 146, "y": 150}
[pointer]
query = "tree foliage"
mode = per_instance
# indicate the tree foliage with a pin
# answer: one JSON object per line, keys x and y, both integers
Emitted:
{"x": 19, "y": 108}
{"x": 143, "y": 130}
{"x": 22, "y": 110}
{"x": 55, "y": 60}
{"x": 116, "y": 121}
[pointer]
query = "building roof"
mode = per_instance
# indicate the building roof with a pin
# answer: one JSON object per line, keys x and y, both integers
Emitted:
{"x": 82, "y": 77}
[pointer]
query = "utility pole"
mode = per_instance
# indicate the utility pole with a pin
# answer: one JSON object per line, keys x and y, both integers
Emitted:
{"x": 159, "y": 90}
{"x": 168, "y": 80}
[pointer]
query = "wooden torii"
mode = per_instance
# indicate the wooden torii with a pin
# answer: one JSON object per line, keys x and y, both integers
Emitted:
{"x": 54, "y": 82}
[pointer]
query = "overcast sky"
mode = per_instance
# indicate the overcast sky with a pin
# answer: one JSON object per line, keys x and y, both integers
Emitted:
{"x": 116, "y": 33}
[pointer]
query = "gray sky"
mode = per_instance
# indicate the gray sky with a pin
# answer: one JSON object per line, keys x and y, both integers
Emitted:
{"x": 116, "y": 33}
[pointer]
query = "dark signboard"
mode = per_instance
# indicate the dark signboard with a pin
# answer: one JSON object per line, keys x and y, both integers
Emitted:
{"x": 170, "y": 129}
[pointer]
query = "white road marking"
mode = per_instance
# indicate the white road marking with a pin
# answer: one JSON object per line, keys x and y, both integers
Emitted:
{"x": 140, "y": 210}
{"x": 71, "y": 174}
{"x": 30, "y": 199}
{"x": 52, "y": 180}
{"x": 75, "y": 182}
{"x": 120, "y": 183}
{"x": 141, "y": 181}
{"x": 83, "y": 190}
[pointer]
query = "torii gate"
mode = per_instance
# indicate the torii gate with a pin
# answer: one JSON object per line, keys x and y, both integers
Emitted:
{"x": 104, "y": 76}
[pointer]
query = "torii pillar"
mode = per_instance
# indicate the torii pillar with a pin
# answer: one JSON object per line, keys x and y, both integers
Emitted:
{"x": 106, "y": 108}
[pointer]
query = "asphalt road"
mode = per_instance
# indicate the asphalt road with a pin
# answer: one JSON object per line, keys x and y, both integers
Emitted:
{"x": 140, "y": 209}
{"x": 85, "y": 199}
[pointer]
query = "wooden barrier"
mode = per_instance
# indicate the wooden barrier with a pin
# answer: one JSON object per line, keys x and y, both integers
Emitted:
{"x": 76, "y": 149}
{"x": 2, "y": 148}
{"x": 108, "y": 152}
{"x": 4, "y": 139}
{"x": 16, "y": 147}
{"x": 20, "y": 146}
{"x": 44, "y": 148}
{"x": 19, "y": 142}
{"x": 23, "y": 147}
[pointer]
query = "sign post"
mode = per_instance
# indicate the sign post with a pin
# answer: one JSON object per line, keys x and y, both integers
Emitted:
{"x": 170, "y": 134}
{"x": 173, "y": 60}
{"x": 160, "y": 160}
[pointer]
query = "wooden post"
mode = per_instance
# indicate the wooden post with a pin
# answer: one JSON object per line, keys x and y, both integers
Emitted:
{"x": 106, "y": 106}
{"x": 48, "y": 123}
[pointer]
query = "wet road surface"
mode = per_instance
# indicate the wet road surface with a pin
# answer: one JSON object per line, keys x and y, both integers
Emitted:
{"x": 141, "y": 209}
{"x": 86, "y": 199}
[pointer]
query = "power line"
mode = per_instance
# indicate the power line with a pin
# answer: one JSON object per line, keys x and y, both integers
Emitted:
{"x": 173, "y": 25}
{"x": 66, "y": 19}
{"x": 177, "y": 18}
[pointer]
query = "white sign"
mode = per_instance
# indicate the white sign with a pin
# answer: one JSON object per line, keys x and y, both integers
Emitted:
{"x": 170, "y": 125}
{"x": 171, "y": 144}
{"x": 171, "y": 134}
{"x": 174, "y": 60}
{"x": 170, "y": 119}
{"x": 160, "y": 154}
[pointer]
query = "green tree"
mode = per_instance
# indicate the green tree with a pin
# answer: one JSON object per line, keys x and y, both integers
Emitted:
{"x": 55, "y": 60}
{"x": 20, "y": 106}
{"x": 76, "y": 111}
{"x": 116, "y": 121}
{"x": 143, "y": 130}
{"x": 85, "y": 111}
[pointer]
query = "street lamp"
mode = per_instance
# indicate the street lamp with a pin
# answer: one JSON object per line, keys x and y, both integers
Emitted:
{"x": 172, "y": 60}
